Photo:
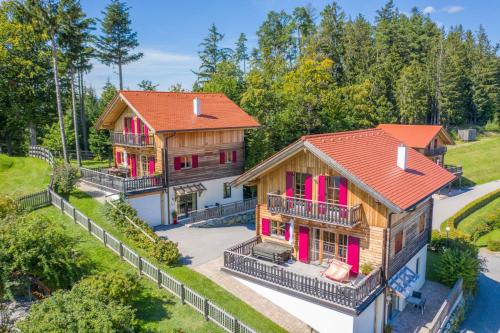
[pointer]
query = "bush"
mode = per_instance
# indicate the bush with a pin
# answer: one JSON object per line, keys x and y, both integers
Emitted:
{"x": 111, "y": 287}
{"x": 492, "y": 125}
{"x": 7, "y": 207}
{"x": 366, "y": 268}
{"x": 65, "y": 177}
{"x": 439, "y": 240}
{"x": 494, "y": 245}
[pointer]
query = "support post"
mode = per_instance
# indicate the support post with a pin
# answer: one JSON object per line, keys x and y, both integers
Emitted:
{"x": 121, "y": 250}
{"x": 158, "y": 278}
{"x": 89, "y": 228}
{"x": 139, "y": 265}
{"x": 183, "y": 294}
{"x": 205, "y": 308}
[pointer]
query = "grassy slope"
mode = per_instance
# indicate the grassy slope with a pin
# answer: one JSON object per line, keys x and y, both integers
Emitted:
{"x": 195, "y": 280}
{"x": 21, "y": 175}
{"x": 479, "y": 159}
{"x": 473, "y": 220}
{"x": 483, "y": 241}
{"x": 156, "y": 308}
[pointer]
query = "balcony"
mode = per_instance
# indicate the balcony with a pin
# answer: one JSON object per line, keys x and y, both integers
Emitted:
{"x": 303, "y": 280}
{"x": 454, "y": 169}
{"x": 132, "y": 140}
{"x": 340, "y": 215}
{"x": 435, "y": 151}
{"x": 104, "y": 178}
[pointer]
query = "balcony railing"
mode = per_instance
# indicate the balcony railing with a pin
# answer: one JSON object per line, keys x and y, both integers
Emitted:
{"x": 454, "y": 169}
{"x": 222, "y": 210}
{"x": 350, "y": 296}
{"x": 134, "y": 140}
{"x": 125, "y": 185}
{"x": 435, "y": 151}
{"x": 347, "y": 216}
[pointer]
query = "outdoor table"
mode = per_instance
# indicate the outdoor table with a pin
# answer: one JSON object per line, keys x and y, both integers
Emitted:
{"x": 418, "y": 302}
{"x": 272, "y": 251}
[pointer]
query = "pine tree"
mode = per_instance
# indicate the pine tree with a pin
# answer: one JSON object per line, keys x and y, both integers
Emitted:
{"x": 115, "y": 45}
{"x": 241, "y": 51}
{"x": 147, "y": 85}
{"x": 411, "y": 94}
{"x": 358, "y": 50}
{"x": 211, "y": 55}
{"x": 303, "y": 18}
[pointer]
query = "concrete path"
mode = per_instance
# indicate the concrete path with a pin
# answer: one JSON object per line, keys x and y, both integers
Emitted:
{"x": 95, "y": 192}
{"x": 484, "y": 315}
{"x": 201, "y": 245}
{"x": 453, "y": 202}
{"x": 272, "y": 311}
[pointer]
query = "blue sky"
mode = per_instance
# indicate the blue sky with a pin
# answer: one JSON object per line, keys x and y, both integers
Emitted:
{"x": 170, "y": 32}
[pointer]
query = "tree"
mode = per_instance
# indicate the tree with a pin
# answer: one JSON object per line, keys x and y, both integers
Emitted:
{"x": 358, "y": 46}
{"x": 303, "y": 18}
{"x": 99, "y": 140}
{"x": 227, "y": 79}
{"x": 115, "y": 45}
{"x": 177, "y": 87}
{"x": 147, "y": 85}
{"x": 412, "y": 94}
{"x": 241, "y": 51}
{"x": 211, "y": 55}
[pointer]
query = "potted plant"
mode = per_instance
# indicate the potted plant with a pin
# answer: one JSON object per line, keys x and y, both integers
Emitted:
{"x": 174, "y": 216}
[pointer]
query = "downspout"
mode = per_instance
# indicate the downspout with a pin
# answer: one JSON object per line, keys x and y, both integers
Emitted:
{"x": 386, "y": 265}
{"x": 166, "y": 175}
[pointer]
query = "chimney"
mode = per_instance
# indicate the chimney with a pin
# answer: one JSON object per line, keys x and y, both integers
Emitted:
{"x": 402, "y": 156}
{"x": 196, "y": 106}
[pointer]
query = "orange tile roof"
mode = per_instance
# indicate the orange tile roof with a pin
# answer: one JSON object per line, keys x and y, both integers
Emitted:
{"x": 370, "y": 156}
{"x": 173, "y": 111}
{"x": 415, "y": 136}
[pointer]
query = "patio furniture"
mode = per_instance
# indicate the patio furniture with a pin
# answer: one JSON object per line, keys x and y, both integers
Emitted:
{"x": 337, "y": 271}
{"x": 417, "y": 300}
{"x": 274, "y": 252}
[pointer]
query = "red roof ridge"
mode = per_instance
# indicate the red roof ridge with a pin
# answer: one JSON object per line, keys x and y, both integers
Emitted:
{"x": 344, "y": 135}
{"x": 172, "y": 92}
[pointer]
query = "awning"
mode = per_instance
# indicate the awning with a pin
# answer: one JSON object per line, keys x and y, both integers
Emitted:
{"x": 402, "y": 283}
{"x": 189, "y": 188}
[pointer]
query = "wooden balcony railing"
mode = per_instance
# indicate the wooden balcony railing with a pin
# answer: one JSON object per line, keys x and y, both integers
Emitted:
{"x": 347, "y": 216}
{"x": 355, "y": 297}
{"x": 126, "y": 185}
{"x": 134, "y": 140}
{"x": 454, "y": 169}
{"x": 435, "y": 151}
{"x": 221, "y": 210}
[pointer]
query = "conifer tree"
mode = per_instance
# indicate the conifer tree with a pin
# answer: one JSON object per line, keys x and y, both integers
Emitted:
{"x": 241, "y": 51}
{"x": 211, "y": 55}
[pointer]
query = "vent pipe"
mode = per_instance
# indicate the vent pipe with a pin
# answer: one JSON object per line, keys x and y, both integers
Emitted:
{"x": 196, "y": 106}
{"x": 402, "y": 156}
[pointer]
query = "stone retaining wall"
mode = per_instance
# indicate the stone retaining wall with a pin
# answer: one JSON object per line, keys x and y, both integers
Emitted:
{"x": 242, "y": 218}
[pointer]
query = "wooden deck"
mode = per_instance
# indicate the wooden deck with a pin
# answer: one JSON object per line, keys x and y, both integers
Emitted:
{"x": 132, "y": 140}
{"x": 100, "y": 177}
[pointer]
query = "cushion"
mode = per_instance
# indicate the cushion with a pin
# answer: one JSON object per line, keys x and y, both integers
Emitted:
{"x": 338, "y": 271}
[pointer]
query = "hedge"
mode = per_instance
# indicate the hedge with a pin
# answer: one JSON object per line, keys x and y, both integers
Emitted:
{"x": 470, "y": 208}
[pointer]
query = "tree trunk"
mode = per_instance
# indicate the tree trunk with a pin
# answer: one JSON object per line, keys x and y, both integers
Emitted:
{"x": 120, "y": 74}
{"x": 75, "y": 118}
{"x": 58, "y": 99}
{"x": 32, "y": 133}
{"x": 83, "y": 117}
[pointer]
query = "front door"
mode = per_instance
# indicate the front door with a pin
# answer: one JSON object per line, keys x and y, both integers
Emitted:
{"x": 322, "y": 246}
{"x": 185, "y": 204}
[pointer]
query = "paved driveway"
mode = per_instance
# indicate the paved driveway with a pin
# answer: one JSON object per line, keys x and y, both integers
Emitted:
{"x": 444, "y": 208}
{"x": 201, "y": 245}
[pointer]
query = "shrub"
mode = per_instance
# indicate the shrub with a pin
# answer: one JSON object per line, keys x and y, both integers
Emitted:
{"x": 111, "y": 287}
{"x": 65, "y": 177}
{"x": 492, "y": 125}
{"x": 366, "y": 268}
{"x": 166, "y": 251}
{"x": 439, "y": 240}
{"x": 494, "y": 245}
{"x": 7, "y": 207}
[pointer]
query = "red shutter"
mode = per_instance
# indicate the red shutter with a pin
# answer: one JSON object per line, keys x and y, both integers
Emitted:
{"x": 308, "y": 183}
{"x": 287, "y": 231}
{"x": 343, "y": 191}
{"x": 195, "y": 161}
{"x": 139, "y": 126}
{"x": 133, "y": 166}
{"x": 322, "y": 193}
{"x": 289, "y": 184}
{"x": 146, "y": 135}
{"x": 117, "y": 158}
{"x": 234, "y": 156}
{"x": 266, "y": 227}
{"x": 177, "y": 163}
{"x": 125, "y": 125}
{"x": 353, "y": 254}
{"x": 304, "y": 244}
{"x": 151, "y": 165}
{"x": 222, "y": 157}
{"x": 132, "y": 126}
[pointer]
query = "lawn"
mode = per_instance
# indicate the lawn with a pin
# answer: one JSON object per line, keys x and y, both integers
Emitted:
{"x": 483, "y": 241}
{"x": 22, "y": 175}
{"x": 195, "y": 280}
{"x": 156, "y": 309}
{"x": 479, "y": 159}
{"x": 431, "y": 268}
{"x": 471, "y": 222}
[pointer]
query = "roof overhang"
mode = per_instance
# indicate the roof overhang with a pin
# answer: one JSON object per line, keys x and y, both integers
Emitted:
{"x": 446, "y": 135}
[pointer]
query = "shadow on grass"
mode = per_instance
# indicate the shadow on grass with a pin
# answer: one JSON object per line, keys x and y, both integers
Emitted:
{"x": 153, "y": 308}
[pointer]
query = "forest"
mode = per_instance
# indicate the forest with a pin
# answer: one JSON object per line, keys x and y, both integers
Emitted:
{"x": 313, "y": 70}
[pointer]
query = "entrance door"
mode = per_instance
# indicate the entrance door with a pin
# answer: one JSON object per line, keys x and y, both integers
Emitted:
{"x": 328, "y": 246}
{"x": 185, "y": 204}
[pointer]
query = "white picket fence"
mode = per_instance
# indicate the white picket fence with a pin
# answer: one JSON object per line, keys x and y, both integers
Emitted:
{"x": 203, "y": 305}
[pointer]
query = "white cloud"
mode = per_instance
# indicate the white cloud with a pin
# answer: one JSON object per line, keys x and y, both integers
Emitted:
{"x": 453, "y": 9}
{"x": 429, "y": 10}
{"x": 161, "y": 67}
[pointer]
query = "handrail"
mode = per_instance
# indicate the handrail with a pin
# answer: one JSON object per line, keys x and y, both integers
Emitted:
{"x": 435, "y": 151}
{"x": 222, "y": 210}
{"x": 131, "y": 139}
{"x": 442, "y": 316}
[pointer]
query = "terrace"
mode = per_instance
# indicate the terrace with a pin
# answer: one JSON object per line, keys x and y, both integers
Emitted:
{"x": 435, "y": 151}
{"x": 113, "y": 179}
{"x": 132, "y": 140}
{"x": 303, "y": 280}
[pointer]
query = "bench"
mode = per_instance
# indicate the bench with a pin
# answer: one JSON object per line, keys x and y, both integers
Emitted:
{"x": 274, "y": 252}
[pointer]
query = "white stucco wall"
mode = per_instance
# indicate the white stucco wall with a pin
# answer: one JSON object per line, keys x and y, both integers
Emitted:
{"x": 412, "y": 264}
{"x": 148, "y": 208}
{"x": 323, "y": 319}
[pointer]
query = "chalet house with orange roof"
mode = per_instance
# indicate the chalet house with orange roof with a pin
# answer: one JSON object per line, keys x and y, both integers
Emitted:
{"x": 342, "y": 226}
{"x": 174, "y": 153}
{"x": 430, "y": 140}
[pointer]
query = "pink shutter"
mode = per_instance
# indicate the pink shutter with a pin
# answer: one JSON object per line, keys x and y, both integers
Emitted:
{"x": 195, "y": 161}
{"x": 289, "y": 184}
{"x": 343, "y": 191}
{"x": 117, "y": 157}
{"x": 266, "y": 227}
{"x": 222, "y": 157}
{"x": 234, "y": 156}
{"x": 133, "y": 165}
{"x": 151, "y": 165}
{"x": 287, "y": 231}
{"x": 304, "y": 244}
{"x": 321, "y": 193}
{"x": 353, "y": 254}
{"x": 125, "y": 125}
{"x": 308, "y": 187}
{"x": 139, "y": 126}
{"x": 132, "y": 126}
{"x": 177, "y": 163}
{"x": 146, "y": 135}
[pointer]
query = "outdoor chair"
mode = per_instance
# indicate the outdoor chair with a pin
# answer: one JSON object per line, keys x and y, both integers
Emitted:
{"x": 337, "y": 271}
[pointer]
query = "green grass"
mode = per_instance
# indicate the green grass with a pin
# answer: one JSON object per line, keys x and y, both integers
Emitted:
{"x": 479, "y": 159}
{"x": 22, "y": 175}
{"x": 195, "y": 280}
{"x": 471, "y": 222}
{"x": 432, "y": 265}
{"x": 483, "y": 241}
{"x": 156, "y": 308}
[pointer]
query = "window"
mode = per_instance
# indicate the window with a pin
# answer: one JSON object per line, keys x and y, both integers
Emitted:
{"x": 421, "y": 224}
{"x": 417, "y": 266}
{"x": 144, "y": 165}
{"x": 342, "y": 248}
{"x": 332, "y": 189}
{"x": 398, "y": 242}
{"x": 299, "y": 185}
{"x": 277, "y": 229}
{"x": 228, "y": 156}
{"x": 227, "y": 190}
{"x": 186, "y": 162}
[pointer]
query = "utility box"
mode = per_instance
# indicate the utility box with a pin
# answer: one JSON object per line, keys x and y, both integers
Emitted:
{"x": 468, "y": 134}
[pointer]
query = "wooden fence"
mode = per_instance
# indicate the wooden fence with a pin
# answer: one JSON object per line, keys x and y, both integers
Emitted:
{"x": 447, "y": 308}
{"x": 238, "y": 259}
{"x": 201, "y": 304}
{"x": 42, "y": 153}
{"x": 222, "y": 210}
{"x": 34, "y": 200}
{"x": 99, "y": 176}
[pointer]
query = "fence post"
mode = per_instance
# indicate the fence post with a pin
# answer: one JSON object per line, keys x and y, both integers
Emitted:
{"x": 74, "y": 215}
{"x": 236, "y": 326}
{"x": 62, "y": 205}
{"x": 183, "y": 294}
{"x": 205, "y": 308}
{"x": 140, "y": 265}
{"x": 121, "y": 250}
{"x": 89, "y": 228}
{"x": 104, "y": 237}
{"x": 158, "y": 277}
